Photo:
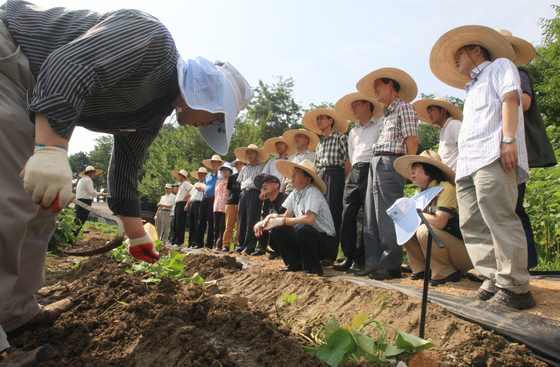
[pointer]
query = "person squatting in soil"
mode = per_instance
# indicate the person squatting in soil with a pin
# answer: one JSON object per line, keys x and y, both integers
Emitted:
{"x": 54, "y": 78}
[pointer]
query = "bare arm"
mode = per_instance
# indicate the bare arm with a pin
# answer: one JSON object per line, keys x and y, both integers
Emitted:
{"x": 290, "y": 220}
{"x": 411, "y": 145}
{"x": 526, "y": 101}
{"x": 510, "y": 114}
{"x": 439, "y": 219}
{"x": 44, "y": 133}
{"x": 347, "y": 168}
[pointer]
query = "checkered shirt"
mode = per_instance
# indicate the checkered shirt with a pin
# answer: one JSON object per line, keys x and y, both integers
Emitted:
{"x": 332, "y": 151}
{"x": 399, "y": 121}
{"x": 248, "y": 174}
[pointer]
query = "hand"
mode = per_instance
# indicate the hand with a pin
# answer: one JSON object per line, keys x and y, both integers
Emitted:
{"x": 509, "y": 157}
{"x": 47, "y": 177}
{"x": 143, "y": 249}
{"x": 273, "y": 215}
{"x": 104, "y": 195}
{"x": 273, "y": 223}
{"x": 155, "y": 218}
{"x": 259, "y": 228}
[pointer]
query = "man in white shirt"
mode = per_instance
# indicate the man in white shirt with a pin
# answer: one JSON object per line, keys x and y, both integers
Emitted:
{"x": 85, "y": 193}
{"x": 304, "y": 142}
{"x": 164, "y": 213}
{"x": 492, "y": 159}
{"x": 180, "y": 208}
{"x": 439, "y": 112}
{"x": 280, "y": 150}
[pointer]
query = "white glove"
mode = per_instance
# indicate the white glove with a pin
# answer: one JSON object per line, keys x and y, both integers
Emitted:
{"x": 274, "y": 215}
{"x": 273, "y": 223}
{"x": 47, "y": 177}
{"x": 259, "y": 228}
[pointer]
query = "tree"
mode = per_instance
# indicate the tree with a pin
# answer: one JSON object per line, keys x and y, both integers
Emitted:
{"x": 78, "y": 162}
{"x": 99, "y": 157}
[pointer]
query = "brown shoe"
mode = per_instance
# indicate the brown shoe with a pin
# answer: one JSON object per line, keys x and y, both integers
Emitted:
{"x": 47, "y": 316}
{"x": 16, "y": 357}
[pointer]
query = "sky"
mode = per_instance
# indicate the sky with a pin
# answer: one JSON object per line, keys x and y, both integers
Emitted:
{"x": 325, "y": 46}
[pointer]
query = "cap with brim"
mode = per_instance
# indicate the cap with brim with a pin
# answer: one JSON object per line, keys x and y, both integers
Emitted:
{"x": 260, "y": 179}
{"x": 216, "y": 89}
{"x": 182, "y": 173}
{"x": 235, "y": 163}
{"x": 403, "y": 165}
{"x": 270, "y": 146}
{"x": 241, "y": 153}
{"x": 442, "y": 57}
{"x": 176, "y": 184}
{"x": 524, "y": 51}
{"x": 200, "y": 170}
{"x": 344, "y": 105}
{"x": 287, "y": 167}
{"x": 422, "y": 105}
{"x": 168, "y": 186}
{"x": 310, "y": 120}
{"x": 290, "y": 135}
{"x": 215, "y": 157}
{"x": 407, "y": 92}
{"x": 404, "y": 215}
{"x": 225, "y": 165}
{"x": 90, "y": 169}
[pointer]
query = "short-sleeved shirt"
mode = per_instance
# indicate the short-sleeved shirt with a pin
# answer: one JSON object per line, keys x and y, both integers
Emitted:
{"x": 167, "y": 200}
{"x": 399, "y": 121}
{"x": 234, "y": 188}
{"x": 210, "y": 182}
{"x": 195, "y": 194}
{"x": 447, "y": 197}
{"x": 270, "y": 168}
{"x": 361, "y": 140}
{"x": 248, "y": 174}
{"x": 220, "y": 197}
{"x": 480, "y": 140}
{"x": 448, "y": 142}
{"x": 311, "y": 199}
{"x": 184, "y": 190}
{"x": 332, "y": 151}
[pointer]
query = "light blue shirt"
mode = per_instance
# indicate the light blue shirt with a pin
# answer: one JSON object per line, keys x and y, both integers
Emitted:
{"x": 311, "y": 199}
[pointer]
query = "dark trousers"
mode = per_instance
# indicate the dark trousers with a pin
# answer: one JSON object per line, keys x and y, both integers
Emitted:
{"x": 266, "y": 240}
{"x": 335, "y": 190}
{"x": 249, "y": 214}
{"x": 194, "y": 211}
{"x": 354, "y": 199}
{"x": 206, "y": 218}
{"x": 179, "y": 221}
{"x": 81, "y": 215}
{"x": 171, "y": 227}
{"x": 219, "y": 228}
{"x": 301, "y": 243}
{"x": 522, "y": 214}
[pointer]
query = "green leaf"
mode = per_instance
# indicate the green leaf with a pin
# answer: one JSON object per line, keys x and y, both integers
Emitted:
{"x": 309, "y": 349}
{"x": 151, "y": 280}
{"x": 334, "y": 351}
{"x": 410, "y": 342}
{"x": 391, "y": 351}
{"x": 196, "y": 278}
{"x": 289, "y": 298}
{"x": 359, "y": 319}
{"x": 364, "y": 342}
{"x": 332, "y": 326}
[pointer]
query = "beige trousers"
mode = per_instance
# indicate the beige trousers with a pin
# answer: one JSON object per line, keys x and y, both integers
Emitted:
{"x": 231, "y": 220}
{"x": 492, "y": 231}
{"x": 24, "y": 228}
{"x": 445, "y": 261}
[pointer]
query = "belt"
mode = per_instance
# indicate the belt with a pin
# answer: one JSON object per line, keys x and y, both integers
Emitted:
{"x": 360, "y": 165}
{"x": 377, "y": 154}
{"x": 252, "y": 190}
{"x": 208, "y": 197}
{"x": 165, "y": 210}
{"x": 330, "y": 169}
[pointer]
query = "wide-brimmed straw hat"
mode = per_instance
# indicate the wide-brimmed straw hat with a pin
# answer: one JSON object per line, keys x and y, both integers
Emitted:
{"x": 200, "y": 170}
{"x": 403, "y": 165}
{"x": 182, "y": 173}
{"x": 270, "y": 146}
{"x": 90, "y": 169}
{"x": 287, "y": 167}
{"x": 236, "y": 162}
{"x": 524, "y": 51}
{"x": 422, "y": 105}
{"x": 215, "y": 157}
{"x": 407, "y": 92}
{"x": 442, "y": 57}
{"x": 241, "y": 153}
{"x": 344, "y": 105}
{"x": 310, "y": 120}
{"x": 291, "y": 134}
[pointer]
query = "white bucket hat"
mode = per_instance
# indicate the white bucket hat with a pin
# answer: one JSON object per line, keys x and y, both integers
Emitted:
{"x": 216, "y": 89}
{"x": 403, "y": 213}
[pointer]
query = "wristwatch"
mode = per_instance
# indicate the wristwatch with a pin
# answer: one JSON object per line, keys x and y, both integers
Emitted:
{"x": 508, "y": 140}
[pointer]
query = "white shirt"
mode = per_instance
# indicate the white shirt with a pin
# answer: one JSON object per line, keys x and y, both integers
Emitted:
{"x": 85, "y": 190}
{"x": 311, "y": 199}
{"x": 270, "y": 168}
{"x": 448, "y": 142}
{"x": 167, "y": 200}
{"x": 183, "y": 191}
{"x": 480, "y": 139}
{"x": 195, "y": 194}
{"x": 361, "y": 140}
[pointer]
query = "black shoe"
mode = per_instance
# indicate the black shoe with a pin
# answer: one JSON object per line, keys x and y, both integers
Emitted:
{"x": 343, "y": 265}
{"x": 318, "y": 269}
{"x": 406, "y": 269}
{"x": 341, "y": 259}
{"x": 259, "y": 252}
{"x": 326, "y": 262}
{"x": 247, "y": 251}
{"x": 293, "y": 267}
{"x": 273, "y": 256}
{"x": 356, "y": 267}
{"x": 455, "y": 277}
{"x": 483, "y": 295}
{"x": 384, "y": 274}
{"x": 418, "y": 276}
{"x": 513, "y": 300}
{"x": 365, "y": 272}
{"x": 225, "y": 249}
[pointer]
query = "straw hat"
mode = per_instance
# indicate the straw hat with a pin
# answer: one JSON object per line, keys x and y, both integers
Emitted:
{"x": 270, "y": 146}
{"x": 403, "y": 165}
{"x": 215, "y": 157}
{"x": 524, "y": 51}
{"x": 310, "y": 120}
{"x": 200, "y": 170}
{"x": 182, "y": 173}
{"x": 344, "y": 105}
{"x": 235, "y": 163}
{"x": 291, "y": 134}
{"x": 89, "y": 169}
{"x": 442, "y": 57}
{"x": 422, "y": 105}
{"x": 241, "y": 153}
{"x": 408, "y": 90}
{"x": 287, "y": 167}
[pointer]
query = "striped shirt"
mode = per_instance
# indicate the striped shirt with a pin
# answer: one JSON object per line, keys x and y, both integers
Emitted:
{"x": 361, "y": 140}
{"x": 332, "y": 151}
{"x": 109, "y": 72}
{"x": 480, "y": 139}
{"x": 399, "y": 121}
{"x": 270, "y": 167}
{"x": 311, "y": 199}
{"x": 248, "y": 174}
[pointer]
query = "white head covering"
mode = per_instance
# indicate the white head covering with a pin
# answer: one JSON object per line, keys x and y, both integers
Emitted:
{"x": 216, "y": 89}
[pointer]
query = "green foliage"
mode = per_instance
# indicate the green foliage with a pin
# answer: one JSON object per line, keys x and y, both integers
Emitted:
{"x": 287, "y": 301}
{"x": 63, "y": 234}
{"x": 351, "y": 342}
{"x": 428, "y": 137}
{"x": 99, "y": 157}
{"x": 78, "y": 162}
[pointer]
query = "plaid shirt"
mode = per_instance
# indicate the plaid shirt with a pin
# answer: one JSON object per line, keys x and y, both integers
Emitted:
{"x": 311, "y": 199}
{"x": 248, "y": 174}
{"x": 399, "y": 121}
{"x": 332, "y": 151}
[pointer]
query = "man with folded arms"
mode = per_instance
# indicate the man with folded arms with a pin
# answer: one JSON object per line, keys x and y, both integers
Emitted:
{"x": 304, "y": 142}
